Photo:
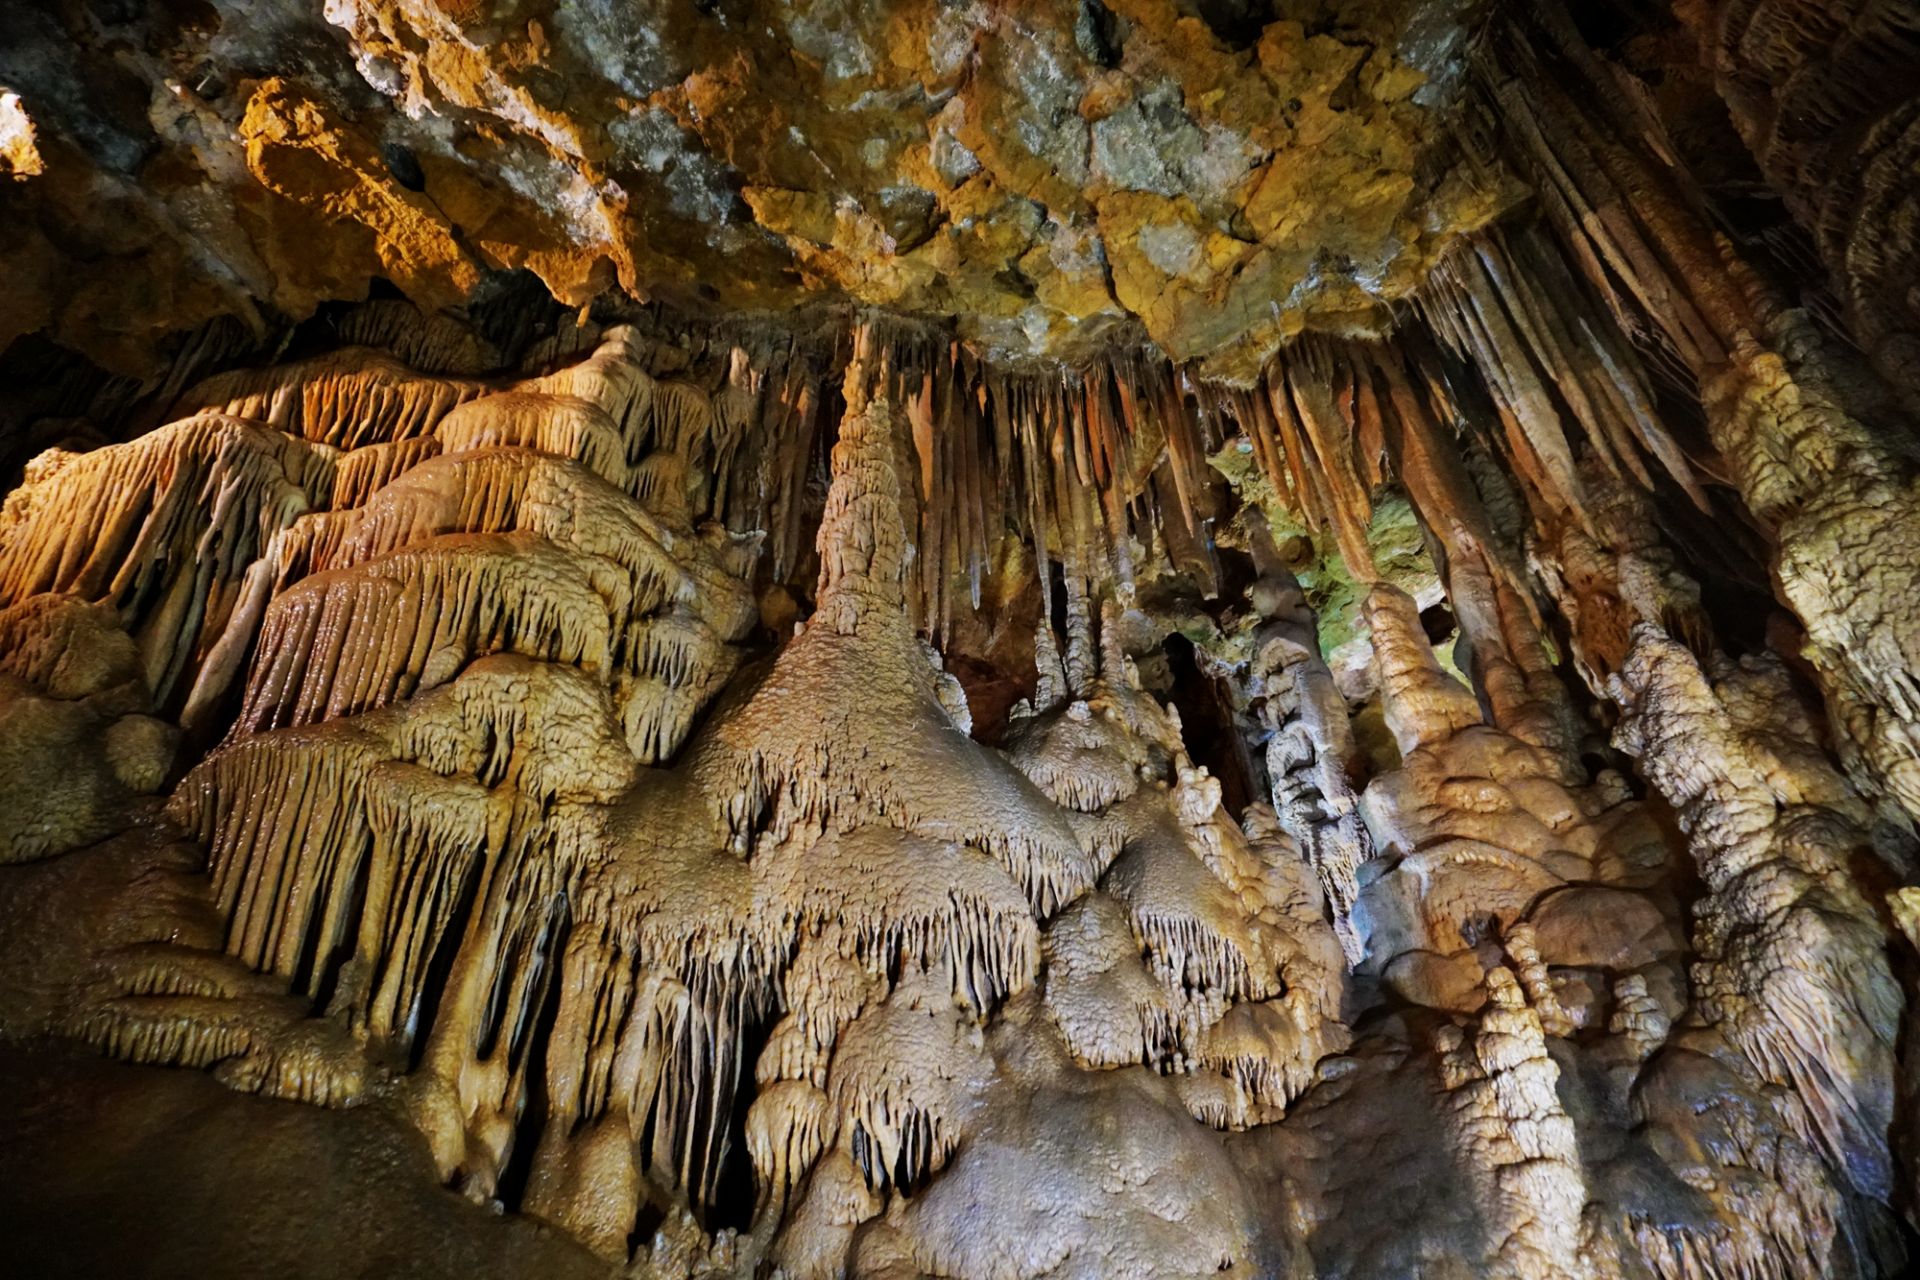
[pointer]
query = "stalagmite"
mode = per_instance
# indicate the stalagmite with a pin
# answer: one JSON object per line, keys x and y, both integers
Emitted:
{"x": 1481, "y": 833}
{"x": 1310, "y": 754}
{"x": 1772, "y": 1206}
{"x": 1515, "y": 1138}
{"x": 76, "y": 743}
{"x": 1793, "y": 962}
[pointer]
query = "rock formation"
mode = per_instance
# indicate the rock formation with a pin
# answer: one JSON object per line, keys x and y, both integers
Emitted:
{"x": 1126, "y": 639}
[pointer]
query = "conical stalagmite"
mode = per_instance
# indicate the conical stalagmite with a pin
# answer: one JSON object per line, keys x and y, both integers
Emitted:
{"x": 1517, "y": 1140}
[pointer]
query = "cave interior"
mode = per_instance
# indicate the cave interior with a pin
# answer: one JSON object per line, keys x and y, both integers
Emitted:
{"x": 981, "y": 639}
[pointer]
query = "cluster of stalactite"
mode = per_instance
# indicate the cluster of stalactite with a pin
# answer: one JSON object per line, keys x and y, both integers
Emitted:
{"x": 444, "y": 860}
{"x": 551, "y": 755}
{"x": 1824, "y": 97}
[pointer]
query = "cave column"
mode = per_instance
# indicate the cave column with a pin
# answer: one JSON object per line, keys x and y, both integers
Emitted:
{"x": 1838, "y": 501}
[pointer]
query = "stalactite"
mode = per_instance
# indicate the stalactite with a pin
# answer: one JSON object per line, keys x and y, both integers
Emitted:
{"x": 410, "y": 872}
{"x": 901, "y": 1075}
{"x": 361, "y": 473}
{"x": 567, "y": 426}
{"x": 1326, "y": 414}
{"x": 781, "y": 751}
{"x": 450, "y": 846}
{"x": 550, "y": 783}
{"x": 1779, "y": 414}
{"x": 1624, "y": 575}
{"x": 162, "y": 529}
{"x": 1211, "y": 989}
{"x": 445, "y": 560}
{"x": 345, "y": 399}
{"x": 1822, "y": 96}
{"x": 973, "y": 925}
{"x": 354, "y": 639}
{"x": 1477, "y": 323}
{"x": 1558, "y": 370}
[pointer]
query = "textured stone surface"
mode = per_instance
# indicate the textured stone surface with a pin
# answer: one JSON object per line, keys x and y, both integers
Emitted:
{"x": 1043, "y": 175}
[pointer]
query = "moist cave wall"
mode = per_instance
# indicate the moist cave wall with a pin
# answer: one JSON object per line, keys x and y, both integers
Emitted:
{"x": 1117, "y": 638}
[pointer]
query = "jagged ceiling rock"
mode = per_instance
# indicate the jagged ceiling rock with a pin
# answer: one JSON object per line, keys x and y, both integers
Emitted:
{"x": 1044, "y": 174}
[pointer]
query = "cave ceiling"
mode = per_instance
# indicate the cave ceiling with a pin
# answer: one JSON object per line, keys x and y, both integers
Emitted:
{"x": 1042, "y": 177}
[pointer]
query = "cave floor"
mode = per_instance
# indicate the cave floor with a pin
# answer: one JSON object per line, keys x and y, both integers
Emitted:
{"x": 125, "y": 1171}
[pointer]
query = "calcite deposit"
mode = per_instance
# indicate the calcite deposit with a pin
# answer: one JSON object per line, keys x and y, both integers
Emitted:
{"x": 1074, "y": 639}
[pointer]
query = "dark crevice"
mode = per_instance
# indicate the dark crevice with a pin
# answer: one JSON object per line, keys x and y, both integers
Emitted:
{"x": 1207, "y": 724}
